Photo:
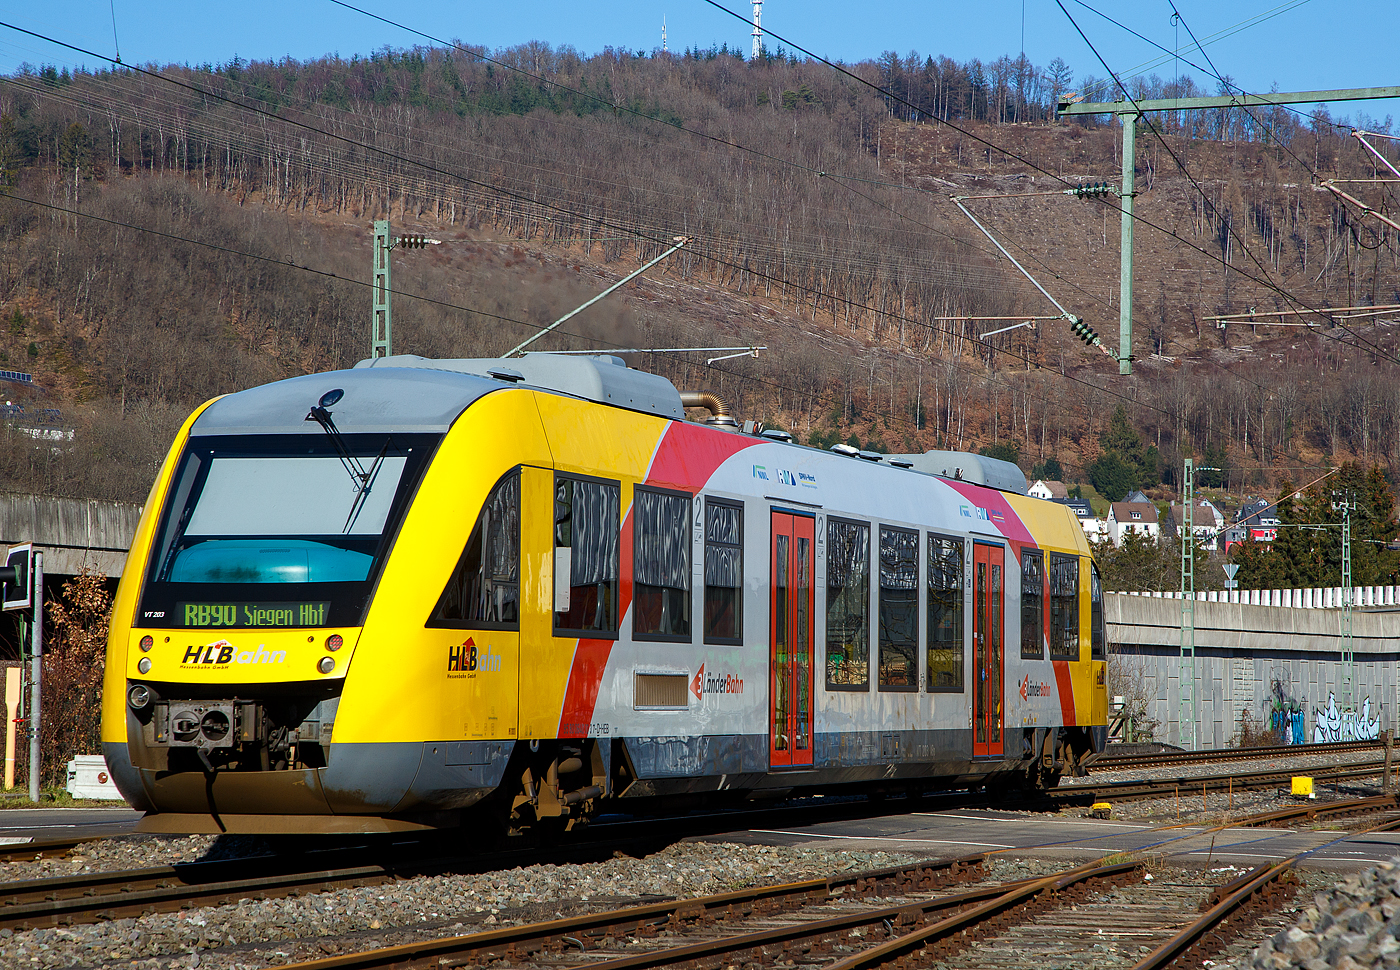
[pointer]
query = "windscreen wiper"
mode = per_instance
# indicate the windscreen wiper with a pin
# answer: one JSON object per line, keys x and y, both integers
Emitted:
{"x": 363, "y": 478}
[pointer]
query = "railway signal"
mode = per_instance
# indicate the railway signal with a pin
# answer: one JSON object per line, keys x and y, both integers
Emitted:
{"x": 22, "y": 587}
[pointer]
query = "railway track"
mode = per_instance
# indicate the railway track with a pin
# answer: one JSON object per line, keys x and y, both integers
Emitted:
{"x": 846, "y": 922}
{"x": 1088, "y": 792}
{"x": 1110, "y": 762}
{"x": 821, "y": 920}
{"x": 87, "y": 897}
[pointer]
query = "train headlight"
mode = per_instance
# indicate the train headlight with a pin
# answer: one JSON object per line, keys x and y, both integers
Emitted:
{"x": 334, "y": 642}
{"x": 326, "y": 665}
{"x": 147, "y": 642}
{"x": 139, "y": 697}
{"x": 145, "y": 665}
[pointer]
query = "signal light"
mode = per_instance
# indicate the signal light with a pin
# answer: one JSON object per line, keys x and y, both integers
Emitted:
{"x": 147, "y": 642}
{"x": 1085, "y": 332}
{"x": 334, "y": 642}
{"x": 1091, "y": 190}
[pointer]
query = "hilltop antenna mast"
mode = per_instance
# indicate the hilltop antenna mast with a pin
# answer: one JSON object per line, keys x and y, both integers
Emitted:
{"x": 757, "y": 29}
{"x": 663, "y": 35}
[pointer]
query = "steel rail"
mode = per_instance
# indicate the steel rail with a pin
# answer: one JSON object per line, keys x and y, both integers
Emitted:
{"x": 1112, "y": 762}
{"x": 958, "y": 930}
{"x": 1259, "y": 887}
{"x": 517, "y": 941}
{"x": 1354, "y": 806}
{"x": 44, "y": 848}
{"x": 1159, "y": 787}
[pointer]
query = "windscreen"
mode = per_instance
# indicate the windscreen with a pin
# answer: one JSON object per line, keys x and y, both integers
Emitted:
{"x": 279, "y": 531}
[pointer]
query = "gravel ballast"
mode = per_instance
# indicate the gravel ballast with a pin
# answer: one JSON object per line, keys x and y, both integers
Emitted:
{"x": 237, "y": 937}
{"x": 1353, "y": 925}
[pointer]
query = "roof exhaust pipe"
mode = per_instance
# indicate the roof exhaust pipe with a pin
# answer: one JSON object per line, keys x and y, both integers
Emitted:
{"x": 719, "y": 411}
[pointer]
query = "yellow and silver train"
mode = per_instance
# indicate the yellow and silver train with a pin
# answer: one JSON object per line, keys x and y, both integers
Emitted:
{"x": 416, "y": 591}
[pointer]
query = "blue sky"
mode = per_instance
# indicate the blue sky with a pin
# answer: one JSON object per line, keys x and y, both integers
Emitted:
{"x": 1302, "y": 45}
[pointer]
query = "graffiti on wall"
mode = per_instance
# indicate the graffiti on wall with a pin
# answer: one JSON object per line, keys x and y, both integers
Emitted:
{"x": 1338, "y": 725}
{"x": 1286, "y": 712}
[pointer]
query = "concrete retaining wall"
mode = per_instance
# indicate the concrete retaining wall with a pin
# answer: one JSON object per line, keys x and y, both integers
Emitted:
{"x": 1263, "y": 662}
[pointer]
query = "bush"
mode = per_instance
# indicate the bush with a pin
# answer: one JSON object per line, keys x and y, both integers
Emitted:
{"x": 74, "y": 659}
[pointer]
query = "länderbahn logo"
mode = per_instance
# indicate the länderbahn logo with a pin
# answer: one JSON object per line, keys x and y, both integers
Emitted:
{"x": 1029, "y": 690}
{"x": 715, "y": 683}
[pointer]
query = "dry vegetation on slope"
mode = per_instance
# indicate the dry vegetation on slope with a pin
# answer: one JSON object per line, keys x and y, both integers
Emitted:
{"x": 542, "y": 196}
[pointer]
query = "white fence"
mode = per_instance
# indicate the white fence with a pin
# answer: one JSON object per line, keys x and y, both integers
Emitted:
{"x": 1318, "y": 598}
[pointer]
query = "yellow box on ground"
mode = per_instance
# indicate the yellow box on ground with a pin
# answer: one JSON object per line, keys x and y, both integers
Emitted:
{"x": 1302, "y": 785}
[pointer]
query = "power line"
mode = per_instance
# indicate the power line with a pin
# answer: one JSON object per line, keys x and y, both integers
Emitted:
{"x": 1266, "y": 281}
{"x": 641, "y": 235}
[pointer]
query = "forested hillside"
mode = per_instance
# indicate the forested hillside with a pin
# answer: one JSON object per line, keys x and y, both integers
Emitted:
{"x": 179, "y": 233}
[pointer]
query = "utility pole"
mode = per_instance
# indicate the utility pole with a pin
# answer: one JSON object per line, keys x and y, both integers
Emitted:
{"x": 1348, "y": 656}
{"x": 1128, "y": 112}
{"x": 36, "y": 675}
{"x": 381, "y": 326}
{"x": 1189, "y": 712}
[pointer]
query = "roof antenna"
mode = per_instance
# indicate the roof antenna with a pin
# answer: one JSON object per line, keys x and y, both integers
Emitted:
{"x": 118, "y": 46}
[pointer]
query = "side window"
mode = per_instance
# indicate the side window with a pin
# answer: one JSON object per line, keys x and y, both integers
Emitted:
{"x": 945, "y": 614}
{"x": 847, "y": 605}
{"x": 484, "y": 591}
{"x": 660, "y": 565}
{"x": 899, "y": 609}
{"x": 1032, "y": 605}
{"x": 1098, "y": 648}
{"x": 724, "y": 572}
{"x": 586, "y": 529}
{"x": 1064, "y": 607}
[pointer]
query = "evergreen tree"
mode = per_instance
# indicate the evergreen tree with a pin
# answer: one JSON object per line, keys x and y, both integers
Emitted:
{"x": 1123, "y": 463}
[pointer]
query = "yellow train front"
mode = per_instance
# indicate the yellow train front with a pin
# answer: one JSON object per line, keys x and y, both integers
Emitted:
{"x": 390, "y": 597}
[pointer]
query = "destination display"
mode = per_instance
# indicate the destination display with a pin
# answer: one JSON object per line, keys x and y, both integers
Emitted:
{"x": 251, "y": 615}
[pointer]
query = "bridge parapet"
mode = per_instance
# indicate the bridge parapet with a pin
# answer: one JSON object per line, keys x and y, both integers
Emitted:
{"x": 73, "y": 534}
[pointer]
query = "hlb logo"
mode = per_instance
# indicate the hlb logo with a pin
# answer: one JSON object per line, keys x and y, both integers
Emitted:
{"x": 760, "y": 472}
{"x": 465, "y": 658}
{"x": 221, "y": 653}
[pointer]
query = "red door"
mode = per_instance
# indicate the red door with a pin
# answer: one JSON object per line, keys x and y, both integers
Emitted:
{"x": 790, "y": 657}
{"x": 988, "y": 651}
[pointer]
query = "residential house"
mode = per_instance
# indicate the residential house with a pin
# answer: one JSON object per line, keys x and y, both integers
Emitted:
{"x": 1207, "y": 522}
{"x": 1093, "y": 526}
{"x": 1139, "y": 517}
{"x": 1052, "y": 491}
{"x": 1259, "y": 520}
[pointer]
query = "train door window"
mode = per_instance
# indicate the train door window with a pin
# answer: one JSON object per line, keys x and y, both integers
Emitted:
{"x": 1064, "y": 607}
{"x": 847, "y": 605}
{"x": 484, "y": 591}
{"x": 661, "y": 565}
{"x": 1098, "y": 644}
{"x": 945, "y": 614}
{"x": 1032, "y": 605}
{"x": 899, "y": 609}
{"x": 586, "y": 538}
{"x": 724, "y": 572}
